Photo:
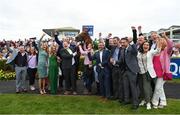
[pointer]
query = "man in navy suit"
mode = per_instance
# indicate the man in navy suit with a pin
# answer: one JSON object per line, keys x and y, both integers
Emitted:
{"x": 102, "y": 57}
{"x": 116, "y": 75}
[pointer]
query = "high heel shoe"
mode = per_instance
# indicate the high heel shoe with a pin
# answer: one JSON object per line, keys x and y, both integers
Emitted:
{"x": 44, "y": 91}
{"x": 41, "y": 92}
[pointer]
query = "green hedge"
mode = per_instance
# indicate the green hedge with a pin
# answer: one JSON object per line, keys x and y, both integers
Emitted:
{"x": 5, "y": 67}
{"x": 6, "y": 71}
{"x": 4, "y": 75}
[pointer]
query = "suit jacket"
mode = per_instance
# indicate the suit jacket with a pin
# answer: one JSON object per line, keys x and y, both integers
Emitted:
{"x": 112, "y": 53}
{"x": 105, "y": 60}
{"x": 66, "y": 58}
{"x": 130, "y": 57}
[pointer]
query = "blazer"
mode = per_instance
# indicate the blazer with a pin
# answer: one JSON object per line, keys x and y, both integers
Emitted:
{"x": 105, "y": 60}
{"x": 66, "y": 58}
{"x": 130, "y": 59}
{"x": 111, "y": 55}
{"x": 165, "y": 57}
{"x": 113, "y": 50}
{"x": 150, "y": 55}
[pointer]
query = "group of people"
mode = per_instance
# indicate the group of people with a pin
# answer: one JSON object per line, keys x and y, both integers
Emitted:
{"x": 132, "y": 70}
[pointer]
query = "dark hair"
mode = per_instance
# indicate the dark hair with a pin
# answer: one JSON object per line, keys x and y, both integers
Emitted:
{"x": 116, "y": 37}
{"x": 141, "y": 50}
{"x": 125, "y": 38}
{"x": 34, "y": 53}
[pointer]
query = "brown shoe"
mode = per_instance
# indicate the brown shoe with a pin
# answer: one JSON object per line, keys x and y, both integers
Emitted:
{"x": 67, "y": 92}
{"x": 74, "y": 93}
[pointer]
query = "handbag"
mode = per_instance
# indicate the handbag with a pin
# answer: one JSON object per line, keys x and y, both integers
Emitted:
{"x": 148, "y": 76}
{"x": 167, "y": 76}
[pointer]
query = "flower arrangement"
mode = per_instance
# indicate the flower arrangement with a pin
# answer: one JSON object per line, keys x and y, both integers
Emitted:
{"x": 7, "y": 75}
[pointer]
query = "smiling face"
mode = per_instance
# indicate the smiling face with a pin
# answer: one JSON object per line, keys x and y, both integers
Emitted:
{"x": 65, "y": 44}
{"x": 154, "y": 36}
{"x": 141, "y": 40}
{"x": 44, "y": 46}
{"x": 101, "y": 46}
{"x": 21, "y": 49}
{"x": 146, "y": 47}
{"x": 124, "y": 43}
{"x": 32, "y": 50}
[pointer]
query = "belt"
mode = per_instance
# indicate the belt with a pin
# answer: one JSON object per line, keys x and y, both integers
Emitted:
{"x": 20, "y": 65}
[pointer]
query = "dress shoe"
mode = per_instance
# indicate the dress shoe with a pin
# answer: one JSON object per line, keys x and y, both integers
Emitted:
{"x": 74, "y": 93}
{"x": 85, "y": 92}
{"x": 112, "y": 98}
{"x": 24, "y": 90}
{"x": 17, "y": 91}
{"x": 120, "y": 101}
{"x": 135, "y": 107}
{"x": 125, "y": 103}
{"x": 89, "y": 93}
{"x": 67, "y": 92}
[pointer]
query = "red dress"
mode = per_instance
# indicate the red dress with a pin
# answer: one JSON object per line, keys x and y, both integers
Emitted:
{"x": 157, "y": 66}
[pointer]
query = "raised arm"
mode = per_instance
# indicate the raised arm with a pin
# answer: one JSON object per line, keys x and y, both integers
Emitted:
{"x": 169, "y": 43}
{"x": 158, "y": 49}
{"x": 8, "y": 47}
{"x": 39, "y": 43}
{"x": 134, "y": 34}
{"x": 140, "y": 31}
{"x": 55, "y": 34}
{"x": 35, "y": 45}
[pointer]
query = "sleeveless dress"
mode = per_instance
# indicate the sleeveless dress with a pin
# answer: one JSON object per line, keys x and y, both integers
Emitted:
{"x": 53, "y": 74}
{"x": 42, "y": 63}
{"x": 157, "y": 66}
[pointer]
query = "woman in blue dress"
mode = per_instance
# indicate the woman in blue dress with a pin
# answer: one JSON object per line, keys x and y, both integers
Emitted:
{"x": 42, "y": 64}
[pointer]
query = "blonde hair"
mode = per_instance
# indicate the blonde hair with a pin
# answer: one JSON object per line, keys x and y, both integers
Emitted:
{"x": 52, "y": 51}
{"x": 164, "y": 43}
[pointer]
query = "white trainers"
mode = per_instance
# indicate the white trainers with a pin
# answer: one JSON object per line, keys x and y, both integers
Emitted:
{"x": 161, "y": 106}
{"x": 148, "y": 106}
{"x": 155, "y": 106}
{"x": 44, "y": 91}
{"x": 32, "y": 88}
{"x": 142, "y": 103}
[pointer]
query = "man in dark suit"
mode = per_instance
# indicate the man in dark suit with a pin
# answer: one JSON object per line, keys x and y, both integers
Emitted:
{"x": 129, "y": 64}
{"x": 102, "y": 66}
{"x": 68, "y": 67}
{"x": 116, "y": 75}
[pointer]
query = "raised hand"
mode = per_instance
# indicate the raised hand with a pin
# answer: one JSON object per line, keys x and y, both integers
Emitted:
{"x": 133, "y": 28}
{"x": 55, "y": 33}
{"x": 139, "y": 27}
{"x": 164, "y": 35}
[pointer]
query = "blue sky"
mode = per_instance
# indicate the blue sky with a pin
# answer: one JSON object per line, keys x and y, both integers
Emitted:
{"x": 26, "y": 18}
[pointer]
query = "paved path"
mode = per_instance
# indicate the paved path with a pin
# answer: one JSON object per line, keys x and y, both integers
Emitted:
{"x": 172, "y": 90}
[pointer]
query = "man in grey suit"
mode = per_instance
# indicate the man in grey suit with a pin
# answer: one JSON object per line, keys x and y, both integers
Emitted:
{"x": 129, "y": 66}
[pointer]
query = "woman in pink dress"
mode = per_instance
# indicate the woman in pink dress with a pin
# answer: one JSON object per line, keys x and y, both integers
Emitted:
{"x": 161, "y": 64}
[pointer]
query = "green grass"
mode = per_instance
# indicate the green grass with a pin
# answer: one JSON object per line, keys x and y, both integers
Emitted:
{"x": 48, "y": 104}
